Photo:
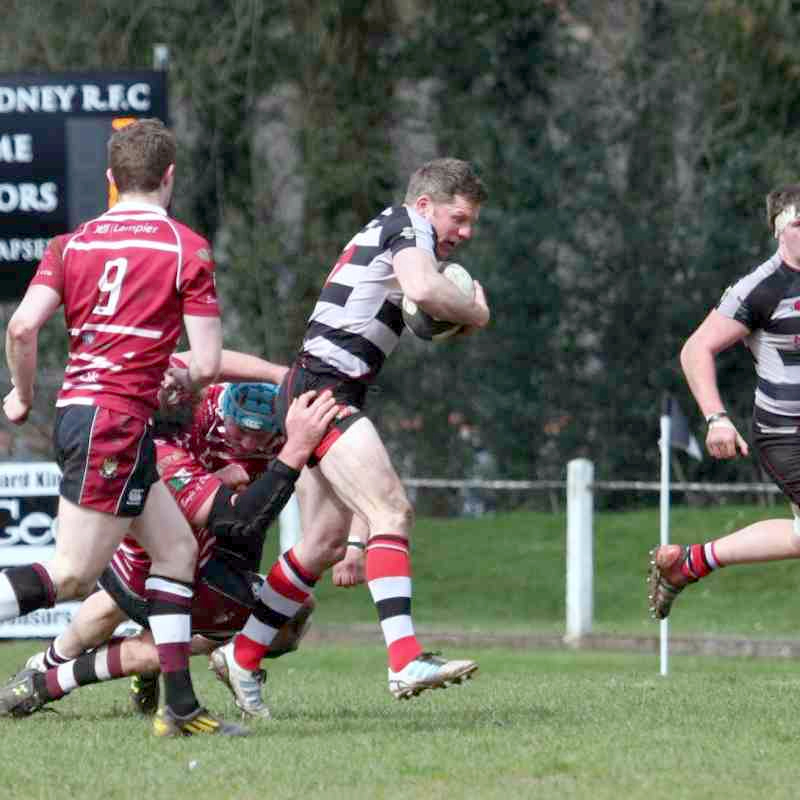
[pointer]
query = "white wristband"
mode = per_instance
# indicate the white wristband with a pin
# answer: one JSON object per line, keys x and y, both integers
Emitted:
{"x": 721, "y": 422}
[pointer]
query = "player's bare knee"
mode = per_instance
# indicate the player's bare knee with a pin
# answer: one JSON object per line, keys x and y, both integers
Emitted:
{"x": 74, "y": 586}
{"x": 397, "y": 518}
{"x": 332, "y": 551}
{"x": 180, "y": 557}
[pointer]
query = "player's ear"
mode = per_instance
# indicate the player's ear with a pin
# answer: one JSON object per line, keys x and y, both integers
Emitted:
{"x": 423, "y": 205}
{"x": 110, "y": 178}
{"x": 169, "y": 175}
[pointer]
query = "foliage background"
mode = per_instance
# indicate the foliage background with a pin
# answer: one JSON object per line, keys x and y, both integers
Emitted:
{"x": 628, "y": 146}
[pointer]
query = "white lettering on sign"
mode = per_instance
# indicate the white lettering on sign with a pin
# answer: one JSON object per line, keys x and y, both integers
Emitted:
{"x": 22, "y": 249}
{"x": 21, "y": 99}
{"x": 36, "y": 528}
{"x": 29, "y": 478}
{"x": 115, "y": 97}
{"x": 16, "y": 148}
{"x": 41, "y": 197}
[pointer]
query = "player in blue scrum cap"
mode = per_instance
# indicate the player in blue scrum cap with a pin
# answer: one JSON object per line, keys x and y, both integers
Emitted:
{"x": 250, "y": 405}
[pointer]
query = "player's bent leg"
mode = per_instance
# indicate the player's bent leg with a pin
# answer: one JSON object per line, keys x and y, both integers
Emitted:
{"x": 384, "y": 504}
{"x": 85, "y": 543}
{"x": 164, "y": 533}
{"x": 94, "y": 623}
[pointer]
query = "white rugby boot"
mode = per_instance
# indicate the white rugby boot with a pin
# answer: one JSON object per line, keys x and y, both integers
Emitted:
{"x": 429, "y": 671}
{"x": 36, "y": 662}
{"x": 244, "y": 685}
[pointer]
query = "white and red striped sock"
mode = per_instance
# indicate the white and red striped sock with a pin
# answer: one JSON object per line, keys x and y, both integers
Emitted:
{"x": 282, "y": 594}
{"x": 388, "y": 575}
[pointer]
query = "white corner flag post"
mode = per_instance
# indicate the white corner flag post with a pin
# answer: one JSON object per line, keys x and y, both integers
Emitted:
{"x": 664, "y": 445}
{"x": 674, "y": 433}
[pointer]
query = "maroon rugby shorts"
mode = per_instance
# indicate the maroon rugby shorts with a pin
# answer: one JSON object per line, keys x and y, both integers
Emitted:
{"x": 107, "y": 459}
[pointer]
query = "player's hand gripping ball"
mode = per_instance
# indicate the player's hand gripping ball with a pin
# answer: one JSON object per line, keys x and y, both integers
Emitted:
{"x": 424, "y": 325}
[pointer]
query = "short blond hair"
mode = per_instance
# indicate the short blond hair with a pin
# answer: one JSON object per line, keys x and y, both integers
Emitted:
{"x": 444, "y": 178}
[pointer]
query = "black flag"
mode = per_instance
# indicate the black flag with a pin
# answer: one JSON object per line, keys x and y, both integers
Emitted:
{"x": 680, "y": 435}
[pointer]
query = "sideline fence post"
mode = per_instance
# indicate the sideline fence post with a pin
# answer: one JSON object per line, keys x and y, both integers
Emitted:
{"x": 580, "y": 507}
{"x": 289, "y": 521}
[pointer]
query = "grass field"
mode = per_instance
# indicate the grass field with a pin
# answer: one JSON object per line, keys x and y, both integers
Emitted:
{"x": 534, "y": 723}
{"x": 531, "y": 725}
{"x": 507, "y": 573}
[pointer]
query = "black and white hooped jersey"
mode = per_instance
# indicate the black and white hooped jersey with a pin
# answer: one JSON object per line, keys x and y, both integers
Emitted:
{"x": 357, "y": 320}
{"x": 767, "y": 302}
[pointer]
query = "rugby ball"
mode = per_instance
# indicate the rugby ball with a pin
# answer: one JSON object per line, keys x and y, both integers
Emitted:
{"x": 424, "y": 325}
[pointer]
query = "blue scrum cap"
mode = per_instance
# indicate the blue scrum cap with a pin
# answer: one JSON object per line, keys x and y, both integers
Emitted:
{"x": 250, "y": 405}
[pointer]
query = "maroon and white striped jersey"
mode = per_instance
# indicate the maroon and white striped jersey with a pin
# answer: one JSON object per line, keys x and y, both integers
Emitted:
{"x": 126, "y": 279}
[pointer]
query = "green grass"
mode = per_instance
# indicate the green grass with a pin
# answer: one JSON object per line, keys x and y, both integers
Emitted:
{"x": 531, "y": 725}
{"x": 507, "y": 572}
{"x": 534, "y": 724}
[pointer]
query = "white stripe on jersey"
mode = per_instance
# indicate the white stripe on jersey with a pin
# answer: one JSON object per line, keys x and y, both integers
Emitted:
{"x": 178, "y": 250}
{"x": 90, "y": 387}
{"x": 372, "y": 286}
{"x": 124, "y": 244}
{"x": 128, "y": 330}
{"x": 75, "y": 401}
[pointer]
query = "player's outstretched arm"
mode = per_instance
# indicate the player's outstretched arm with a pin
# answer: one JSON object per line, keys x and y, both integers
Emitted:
{"x": 252, "y": 511}
{"x": 237, "y": 367}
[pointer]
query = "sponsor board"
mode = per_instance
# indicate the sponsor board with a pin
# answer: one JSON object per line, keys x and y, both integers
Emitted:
{"x": 28, "y": 505}
{"x": 47, "y": 623}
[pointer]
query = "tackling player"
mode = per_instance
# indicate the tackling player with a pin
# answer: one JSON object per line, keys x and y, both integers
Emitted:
{"x": 231, "y": 472}
{"x": 126, "y": 280}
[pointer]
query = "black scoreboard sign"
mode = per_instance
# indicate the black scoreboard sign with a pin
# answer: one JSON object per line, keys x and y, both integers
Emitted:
{"x": 53, "y": 134}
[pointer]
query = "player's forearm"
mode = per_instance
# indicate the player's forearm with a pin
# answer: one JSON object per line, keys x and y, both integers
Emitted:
{"x": 445, "y": 301}
{"x": 256, "y": 508}
{"x": 205, "y": 340}
{"x": 237, "y": 366}
{"x": 699, "y": 367}
{"x": 21, "y": 357}
{"x": 201, "y": 374}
